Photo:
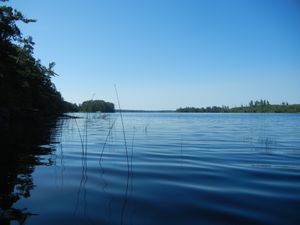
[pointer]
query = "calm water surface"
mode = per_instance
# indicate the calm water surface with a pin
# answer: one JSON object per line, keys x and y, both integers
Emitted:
{"x": 171, "y": 168}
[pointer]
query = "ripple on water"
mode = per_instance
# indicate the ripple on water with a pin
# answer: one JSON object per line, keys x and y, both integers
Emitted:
{"x": 179, "y": 169}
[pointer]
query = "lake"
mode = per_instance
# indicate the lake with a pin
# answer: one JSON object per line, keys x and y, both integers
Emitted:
{"x": 159, "y": 168}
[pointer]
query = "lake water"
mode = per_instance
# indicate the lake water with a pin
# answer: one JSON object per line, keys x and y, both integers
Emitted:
{"x": 170, "y": 168}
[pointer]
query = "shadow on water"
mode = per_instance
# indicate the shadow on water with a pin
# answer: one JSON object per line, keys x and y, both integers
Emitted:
{"x": 19, "y": 155}
{"x": 59, "y": 159}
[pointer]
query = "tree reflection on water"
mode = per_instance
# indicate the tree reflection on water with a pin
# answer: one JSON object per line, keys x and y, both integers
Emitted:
{"x": 19, "y": 156}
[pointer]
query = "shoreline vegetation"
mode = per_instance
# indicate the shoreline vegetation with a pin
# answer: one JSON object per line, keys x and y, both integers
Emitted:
{"x": 90, "y": 106}
{"x": 26, "y": 89}
{"x": 262, "y": 106}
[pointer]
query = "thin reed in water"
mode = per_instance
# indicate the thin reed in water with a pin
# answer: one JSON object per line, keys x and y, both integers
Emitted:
{"x": 125, "y": 143}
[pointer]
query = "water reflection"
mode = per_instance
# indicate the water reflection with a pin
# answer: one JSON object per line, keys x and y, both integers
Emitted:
{"x": 19, "y": 157}
{"x": 188, "y": 170}
{"x": 129, "y": 174}
{"x": 262, "y": 143}
{"x": 81, "y": 193}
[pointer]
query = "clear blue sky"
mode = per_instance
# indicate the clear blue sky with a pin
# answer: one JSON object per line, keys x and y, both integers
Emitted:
{"x": 163, "y": 54}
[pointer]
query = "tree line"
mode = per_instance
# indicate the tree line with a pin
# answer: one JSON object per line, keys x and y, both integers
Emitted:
{"x": 258, "y": 106}
{"x": 25, "y": 83}
{"x": 90, "y": 106}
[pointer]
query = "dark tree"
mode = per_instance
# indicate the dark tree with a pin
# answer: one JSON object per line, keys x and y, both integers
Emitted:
{"x": 25, "y": 84}
{"x": 97, "y": 106}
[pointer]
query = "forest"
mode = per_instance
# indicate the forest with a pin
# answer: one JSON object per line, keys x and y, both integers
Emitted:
{"x": 26, "y": 88}
{"x": 90, "y": 106}
{"x": 261, "y": 106}
{"x": 25, "y": 83}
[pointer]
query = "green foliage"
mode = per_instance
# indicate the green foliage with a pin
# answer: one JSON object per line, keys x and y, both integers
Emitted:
{"x": 70, "y": 107}
{"x": 25, "y": 84}
{"x": 214, "y": 109}
{"x": 97, "y": 105}
{"x": 262, "y": 106}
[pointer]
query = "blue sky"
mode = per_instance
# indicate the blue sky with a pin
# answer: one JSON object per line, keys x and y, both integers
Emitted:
{"x": 163, "y": 54}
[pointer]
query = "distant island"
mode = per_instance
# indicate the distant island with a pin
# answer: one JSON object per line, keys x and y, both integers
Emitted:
{"x": 90, "y": 106}
{"x": 262, "y": 106}
{"x": 26, "y": 90}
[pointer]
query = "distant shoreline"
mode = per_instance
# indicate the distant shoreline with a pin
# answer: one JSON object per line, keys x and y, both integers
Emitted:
{"x": 174, "y": 111}
{"x": 144, "y": 111}
{"x": 261, "y": 106}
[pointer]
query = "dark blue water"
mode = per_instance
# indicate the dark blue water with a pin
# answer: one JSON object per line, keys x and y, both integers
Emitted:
{"x": 174, "y": 169}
